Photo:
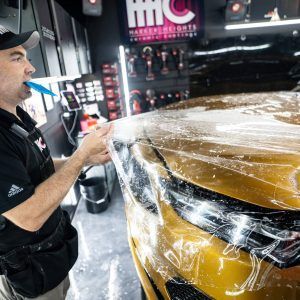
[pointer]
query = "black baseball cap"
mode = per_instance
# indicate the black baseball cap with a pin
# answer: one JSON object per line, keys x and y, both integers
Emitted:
{"x": 9, "y": 39}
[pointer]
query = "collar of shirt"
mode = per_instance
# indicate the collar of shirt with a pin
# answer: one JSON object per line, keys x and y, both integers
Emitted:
{"x": 7, "y": 119}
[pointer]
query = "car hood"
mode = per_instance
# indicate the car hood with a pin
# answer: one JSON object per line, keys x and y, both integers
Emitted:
{"x": 244, "y": 146}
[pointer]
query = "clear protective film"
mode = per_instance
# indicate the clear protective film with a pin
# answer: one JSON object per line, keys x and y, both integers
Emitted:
{"x": 212, "y": 195}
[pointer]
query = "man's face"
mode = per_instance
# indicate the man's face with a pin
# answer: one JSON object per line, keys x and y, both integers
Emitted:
{"x": 14, "y": 70}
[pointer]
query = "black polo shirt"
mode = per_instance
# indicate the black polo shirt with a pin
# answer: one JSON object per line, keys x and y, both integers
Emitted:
{"x": 15, "y": 183}
{"x": 18, "y": 165}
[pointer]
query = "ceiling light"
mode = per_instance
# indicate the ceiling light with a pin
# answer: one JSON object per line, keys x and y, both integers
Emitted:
{"x": 236, "y": 7}
{"x": 262, "y": 24}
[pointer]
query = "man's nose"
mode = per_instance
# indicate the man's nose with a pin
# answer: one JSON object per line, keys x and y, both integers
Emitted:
{"x": 30, "y": 69}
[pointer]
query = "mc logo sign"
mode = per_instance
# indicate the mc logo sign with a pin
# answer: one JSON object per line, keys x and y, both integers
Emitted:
{"x": 142, "y": 13}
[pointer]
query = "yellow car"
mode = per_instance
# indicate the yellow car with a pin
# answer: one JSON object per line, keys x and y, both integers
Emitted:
{"x": 212, "y": 192}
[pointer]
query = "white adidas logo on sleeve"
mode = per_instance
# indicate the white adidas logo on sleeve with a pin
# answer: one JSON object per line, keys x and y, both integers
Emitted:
{"x": 14, "y": 190}
{"x": 3, "y": 30}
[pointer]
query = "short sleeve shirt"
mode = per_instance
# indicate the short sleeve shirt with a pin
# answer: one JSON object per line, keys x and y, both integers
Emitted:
{"x": 15, "y": 183}
{"x": 17, "y": 166}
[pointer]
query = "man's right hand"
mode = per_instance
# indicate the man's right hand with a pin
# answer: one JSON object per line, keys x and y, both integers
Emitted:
{"x": 94, "y": 146}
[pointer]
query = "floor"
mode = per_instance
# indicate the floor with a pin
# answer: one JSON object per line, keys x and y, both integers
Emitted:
{"x": 104, "y": 269}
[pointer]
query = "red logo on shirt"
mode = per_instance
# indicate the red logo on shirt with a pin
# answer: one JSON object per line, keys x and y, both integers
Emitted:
{"x": 40, "y": 143}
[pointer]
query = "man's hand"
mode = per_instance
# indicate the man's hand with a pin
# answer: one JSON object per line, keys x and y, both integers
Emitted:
{"x": 94, "y": 146}
{"x": 97, "y": 159}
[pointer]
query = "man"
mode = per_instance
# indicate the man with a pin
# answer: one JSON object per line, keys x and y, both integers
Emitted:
{"x": 38, "y": 245}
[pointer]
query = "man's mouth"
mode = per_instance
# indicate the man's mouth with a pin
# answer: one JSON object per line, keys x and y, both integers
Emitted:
{"x": 26, "y": 88}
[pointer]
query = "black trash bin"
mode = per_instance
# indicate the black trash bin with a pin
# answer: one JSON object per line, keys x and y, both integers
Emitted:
{"x": 94, "y": 191}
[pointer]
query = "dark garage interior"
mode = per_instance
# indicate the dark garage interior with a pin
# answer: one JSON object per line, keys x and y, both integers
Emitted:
{"x": 193, "y": 191}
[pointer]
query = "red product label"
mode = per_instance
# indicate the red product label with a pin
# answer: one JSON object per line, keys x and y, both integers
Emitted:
{"x": 111, "y": 93}
{"x": 113, "y": 115}
{"x": 109, "y": 69}
{"x": 111, "y": 105}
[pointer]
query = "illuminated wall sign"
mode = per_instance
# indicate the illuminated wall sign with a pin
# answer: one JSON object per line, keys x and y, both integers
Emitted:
{"x": 161, "y": 20}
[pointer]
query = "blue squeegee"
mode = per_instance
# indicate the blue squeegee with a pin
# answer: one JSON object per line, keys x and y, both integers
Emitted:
{"x": 39, "y": 88}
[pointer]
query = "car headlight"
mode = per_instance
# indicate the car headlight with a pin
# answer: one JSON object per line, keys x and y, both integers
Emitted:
{"x": 137, "y": 179}
{"x": 269, "y": 234}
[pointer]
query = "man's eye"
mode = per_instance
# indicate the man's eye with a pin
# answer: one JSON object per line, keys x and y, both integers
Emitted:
{"x": 18, "y": 58}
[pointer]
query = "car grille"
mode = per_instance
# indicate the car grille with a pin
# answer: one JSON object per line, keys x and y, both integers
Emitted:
{"x": 179, "y": 289}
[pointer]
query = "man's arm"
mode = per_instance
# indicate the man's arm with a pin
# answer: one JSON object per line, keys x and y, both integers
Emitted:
{"x": 34, "y": 212}
{"x": 59, "y": 162}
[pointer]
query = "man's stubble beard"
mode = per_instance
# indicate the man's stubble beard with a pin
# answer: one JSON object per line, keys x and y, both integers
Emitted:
{"x": 28, "y": 95}
{"x": 24, "y": 95}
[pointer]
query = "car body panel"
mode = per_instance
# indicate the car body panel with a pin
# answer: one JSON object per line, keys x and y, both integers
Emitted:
{"x": 211, "y": 188}
{"x": 282, "y": 284}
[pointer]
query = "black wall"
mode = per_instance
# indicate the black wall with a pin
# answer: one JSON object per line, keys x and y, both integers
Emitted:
{"x": 74, "y": 8}
{"x": 104, "y": 35}
{"x": 103, "y": 31}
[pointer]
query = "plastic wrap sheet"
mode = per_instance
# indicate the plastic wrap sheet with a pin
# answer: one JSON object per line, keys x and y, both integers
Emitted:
{"x": 212, "y": 195}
